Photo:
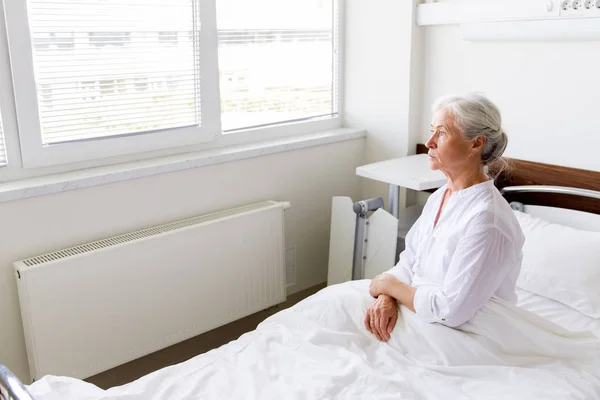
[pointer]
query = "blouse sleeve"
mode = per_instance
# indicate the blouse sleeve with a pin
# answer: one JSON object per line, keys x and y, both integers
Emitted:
{"x": 480, "y": 263}
{"x": 404, "y": 269}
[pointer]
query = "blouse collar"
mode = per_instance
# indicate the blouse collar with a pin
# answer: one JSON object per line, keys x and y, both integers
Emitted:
{"x": 478, "y": 187}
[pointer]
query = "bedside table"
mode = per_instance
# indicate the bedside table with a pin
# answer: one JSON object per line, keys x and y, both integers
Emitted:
{"x": 411, "y": 172}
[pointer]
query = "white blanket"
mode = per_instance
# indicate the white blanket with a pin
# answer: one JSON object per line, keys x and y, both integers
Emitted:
{"x": 319, "y": 349}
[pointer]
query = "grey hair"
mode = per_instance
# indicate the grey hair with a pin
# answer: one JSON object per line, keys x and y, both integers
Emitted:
{"x": 475, "y": 115}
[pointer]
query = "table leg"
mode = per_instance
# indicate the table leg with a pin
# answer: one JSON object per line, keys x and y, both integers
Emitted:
{"x": 393, "y": 200}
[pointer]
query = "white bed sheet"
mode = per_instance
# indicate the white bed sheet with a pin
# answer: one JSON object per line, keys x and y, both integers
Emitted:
{"x": 319, "y": 349}
{"x": 557, "y": 312}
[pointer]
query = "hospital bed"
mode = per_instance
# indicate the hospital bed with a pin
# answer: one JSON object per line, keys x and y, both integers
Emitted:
{"x": 319, "y": 349}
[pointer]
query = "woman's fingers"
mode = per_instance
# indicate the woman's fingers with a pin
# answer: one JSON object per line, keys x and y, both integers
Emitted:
{"x": 371, "y": 323}
{"x": 368, "y": 320}
{"x": 392, "y": 323}
{"x": 383, "y": 326}
{"x": 380, "y": 322}
{"x": 376, "y": 324}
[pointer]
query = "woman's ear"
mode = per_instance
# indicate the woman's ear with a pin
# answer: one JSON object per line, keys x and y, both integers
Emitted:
{"x": 478, "y": 144}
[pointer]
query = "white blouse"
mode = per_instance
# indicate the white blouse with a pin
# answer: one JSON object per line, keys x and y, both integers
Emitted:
{"x": 472, "y": 254}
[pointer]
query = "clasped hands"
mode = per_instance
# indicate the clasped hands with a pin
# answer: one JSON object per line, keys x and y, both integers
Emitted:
{"x": 382, "y": 315}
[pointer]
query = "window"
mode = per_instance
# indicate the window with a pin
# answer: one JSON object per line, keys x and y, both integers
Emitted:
{"x": 277, "y": 66}
{"x": 168, "y": 38}
{"x": 46, "y": 95}
{"x": 102, "y": 78}
{"x": 141, "y": 84}
{"x": 54, "y": 40}
{"x": 102, "y": 39}
{"x": 110, "y": 86}
{"x": 113, "y": 55}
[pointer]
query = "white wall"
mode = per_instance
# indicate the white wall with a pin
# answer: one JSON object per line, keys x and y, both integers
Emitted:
{"x": 308, "y": 178}
{"x": 378, "y": 65}
{"x": 547, "y": 91}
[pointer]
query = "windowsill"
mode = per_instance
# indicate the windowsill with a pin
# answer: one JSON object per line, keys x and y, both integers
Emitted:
{"x": 62, "y": 182}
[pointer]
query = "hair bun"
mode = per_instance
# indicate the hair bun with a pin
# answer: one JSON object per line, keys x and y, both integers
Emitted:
{"x": 497, "y": 148}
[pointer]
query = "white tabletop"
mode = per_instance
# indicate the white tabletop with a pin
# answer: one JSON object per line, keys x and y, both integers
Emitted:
{"x": 411, "y": 172}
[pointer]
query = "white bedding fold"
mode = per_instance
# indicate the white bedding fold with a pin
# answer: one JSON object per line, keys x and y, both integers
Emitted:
{"x": 319, "y": 349}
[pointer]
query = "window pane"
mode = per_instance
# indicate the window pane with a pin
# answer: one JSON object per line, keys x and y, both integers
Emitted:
{"x": 277, "y": 60}
{"x": 102, "y": 66}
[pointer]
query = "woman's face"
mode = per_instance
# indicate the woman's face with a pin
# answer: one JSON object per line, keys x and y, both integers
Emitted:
{"x": 449, "y": 149}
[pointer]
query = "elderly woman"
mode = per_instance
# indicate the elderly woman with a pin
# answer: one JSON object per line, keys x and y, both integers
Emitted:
{"x": 466, "y": 246}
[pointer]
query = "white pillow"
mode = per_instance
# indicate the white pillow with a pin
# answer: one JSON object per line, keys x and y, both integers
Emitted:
{"x": 561, "y": 263}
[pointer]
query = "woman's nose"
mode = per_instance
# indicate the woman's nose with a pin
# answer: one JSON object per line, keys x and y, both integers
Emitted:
{"x": 430, "y": 144}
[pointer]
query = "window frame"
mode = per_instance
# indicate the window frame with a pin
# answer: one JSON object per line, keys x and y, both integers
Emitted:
{"x": 27, "y": 156}
{"x": 9, "y": 125}
{"x": 37, "y": 154}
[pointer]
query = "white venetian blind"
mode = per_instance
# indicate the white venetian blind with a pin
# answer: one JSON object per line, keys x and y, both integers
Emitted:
{"x": 114, "y": 67}
{"x": 278, "y": 61}
{"x": 2, "y": 147}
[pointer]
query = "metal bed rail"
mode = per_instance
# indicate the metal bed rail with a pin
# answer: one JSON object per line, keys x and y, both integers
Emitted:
{"x": 11, "y": 388}
{"x": 551, "y": 189}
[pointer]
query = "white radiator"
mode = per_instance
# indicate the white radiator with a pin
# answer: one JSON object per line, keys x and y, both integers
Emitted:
{"x": 92, "y": 307}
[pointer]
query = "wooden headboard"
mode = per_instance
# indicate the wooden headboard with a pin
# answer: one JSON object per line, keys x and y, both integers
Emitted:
{"x": 532, "y": 173}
